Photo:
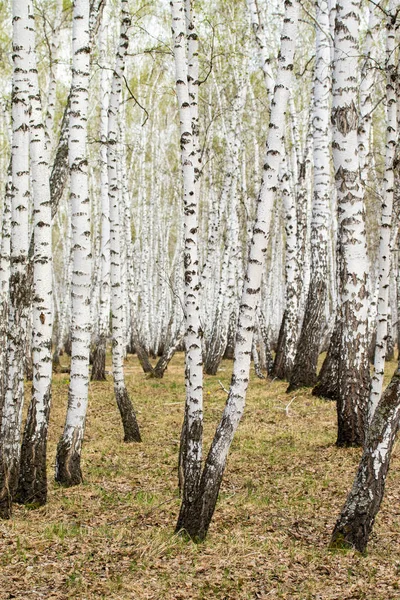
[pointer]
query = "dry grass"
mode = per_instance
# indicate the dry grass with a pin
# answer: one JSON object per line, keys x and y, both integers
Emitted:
{"x": 113, "y": 538}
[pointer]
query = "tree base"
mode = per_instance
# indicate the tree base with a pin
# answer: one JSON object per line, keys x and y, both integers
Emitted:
{"x": 8, "y": 486}
{"x": 128, "y": 416}
{"x": 195, "y": 517}
{"x": 68, "y": 464}
{"x": 32, "y": 484}
{"x": 325, "y": 389}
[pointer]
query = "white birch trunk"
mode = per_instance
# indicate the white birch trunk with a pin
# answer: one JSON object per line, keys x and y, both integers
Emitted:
{"x": 196, "y": 513}
{"x": 19, "y": 277}
{"x": 288, "y": 332}
{"x": 32, "y": 487}
{"x": 305, "y": 364}
{"x": 68, "y": 470}
{"x": 4, "y": 283}
{"x": 386, "y": 217}
{"x": 191, "y": 438}
{"x": 353, "y": 374}
{"x": 131, "y": 429}
{"x": 99, "y": 360}
{"x": 259, "y": 34}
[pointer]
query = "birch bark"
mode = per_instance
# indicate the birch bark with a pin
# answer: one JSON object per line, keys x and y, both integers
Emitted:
{"x": 131, "y": 428}
{"x": 68, "y": 470}
{"x": 354, "y": 525}
{"x": 61, "y": 166}
{"x": 19, "y": 284}
{"x": 382, "y": 317}
{"x": 196, "y": 512}
{"x": 305, "y": 363}
{"x": 353, "y": 368}
{"x": 32, "y": 486}
{"x": 191, "y": 437}
{"x": 288, "y": 331}
{"x": 99, "y": 359}
{"x": 4, "y": 283}
{"x": 259, "y": 35}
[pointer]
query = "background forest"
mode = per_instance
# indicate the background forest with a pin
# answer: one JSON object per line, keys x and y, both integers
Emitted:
{"x": 199, "y": 210}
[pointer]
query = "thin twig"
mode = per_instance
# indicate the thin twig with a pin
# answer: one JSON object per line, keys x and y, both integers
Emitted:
{"x": 288, "y": 405}
{"x": 223, "y": 387}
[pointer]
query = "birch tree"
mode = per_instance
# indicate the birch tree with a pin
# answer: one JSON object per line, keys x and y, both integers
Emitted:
{"x": 357, "y": 517}
{"x": 68, "y": 470}
{"x": 191, "y": 437}
{"x": 197, "y": 510}
{"x": 32, "y": 487}
{"x": 19, "y": 284}
{"x": 131, "y": 428}
{"x": 349, "y": 344}
{"x": 382, "y": 317}
{"x": 99, "y": 360}
{"x": 305, "y": 363}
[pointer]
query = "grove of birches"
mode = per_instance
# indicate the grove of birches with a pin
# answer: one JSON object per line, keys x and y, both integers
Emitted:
{"x": 216, "y": 179}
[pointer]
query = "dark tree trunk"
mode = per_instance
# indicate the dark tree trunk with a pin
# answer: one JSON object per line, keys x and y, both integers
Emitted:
{"x": 143, "y": 357}
{"x": 215, "y": 353}
{"x": 282, "y": 366}
{"x": 352, "y": 401}
{"x": 56, "y": 362}
{"x": 269, "y": 361}
{"x": 196, "y": 514}
{"x": 357, "y": 518}
{"x": 60, "y": 171}
{"x": 389, "y": 348}
{"x": 165, "y": 358}
{"x": 68, "y": 462}
{"x": 371, "y": 348}
{"x": 68, "y": 345}
{"x": 215, "y": 348}
{"x": 256, "y": 360}
{"x": 230, "y": 342}
{"x": 182, "y": 453}
{"x": 99, "y": 360}
{"x": 32, "y": 485}
{"x": 128, "y": 416}
{"x": 304, "y": 372}
{"x": 20, "y": 299}
{"x": 28, "y": 365}
{"x": 328, "y": 378}
{"x": 9, "y": 481}
{"x": 130, "y": 348}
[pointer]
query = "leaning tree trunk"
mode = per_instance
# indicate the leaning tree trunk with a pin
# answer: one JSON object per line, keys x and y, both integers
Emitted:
{"x": 130, "y": 425}
{"x": 68, "y": 467}
{"x": 357, "y": 518}
{"x": 32, "y": 486}
{"x": 19, "y": 285}
{"x": 166, "y": 357}
{"x": 304, "y": 371}
{"x": 61, "y": 166}
{"x": 197, "y": 511}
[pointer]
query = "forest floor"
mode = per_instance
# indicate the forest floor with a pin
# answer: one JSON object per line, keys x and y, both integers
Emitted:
{"x": 113, "y": 537}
